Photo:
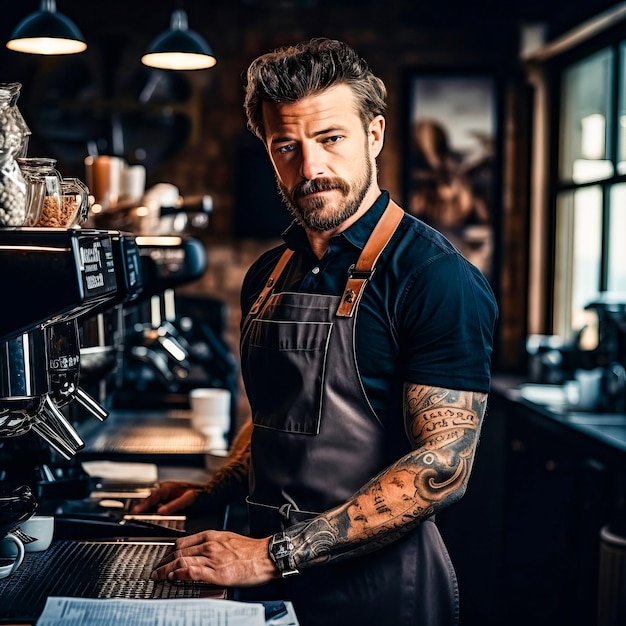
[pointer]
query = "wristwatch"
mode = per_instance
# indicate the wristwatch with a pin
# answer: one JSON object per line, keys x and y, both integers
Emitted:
{"x": 281, "y": 552}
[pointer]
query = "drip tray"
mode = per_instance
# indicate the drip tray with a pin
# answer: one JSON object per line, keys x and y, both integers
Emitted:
{"x": 163, "y": 438}
{"x": 91, "y": 569}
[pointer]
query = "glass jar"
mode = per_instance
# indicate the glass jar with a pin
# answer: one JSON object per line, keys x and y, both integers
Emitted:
{"x": 69, "y": 210}
{"x": 14, "y": 134}
{"x": 75, "y": 208}
{"x": 43, "y": 189}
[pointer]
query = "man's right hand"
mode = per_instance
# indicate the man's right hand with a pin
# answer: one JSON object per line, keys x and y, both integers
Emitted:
{"x": 169, "y": 497}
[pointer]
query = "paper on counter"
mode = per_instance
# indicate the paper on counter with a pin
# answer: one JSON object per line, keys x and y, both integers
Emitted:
{"x": 116, "y": 471}
{"x": 61, "y": 611}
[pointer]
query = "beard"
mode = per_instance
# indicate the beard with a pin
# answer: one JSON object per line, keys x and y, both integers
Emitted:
{"x": 318, "y": 213}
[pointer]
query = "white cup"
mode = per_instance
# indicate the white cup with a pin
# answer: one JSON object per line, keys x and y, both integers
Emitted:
{"x": 11, "y": 554}
{"x": 215, "y": 438}
{"x": 210, "y": 411}
{"x": 589, "y": 388}
{"x": 41, "y": 528}
{"x": 133, "y": 183}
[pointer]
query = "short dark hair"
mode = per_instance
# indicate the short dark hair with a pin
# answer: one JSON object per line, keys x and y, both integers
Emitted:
{"x": 295, "y": 72}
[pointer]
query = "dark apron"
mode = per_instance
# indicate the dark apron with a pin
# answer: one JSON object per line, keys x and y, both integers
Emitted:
{"x": 316, "y": 441}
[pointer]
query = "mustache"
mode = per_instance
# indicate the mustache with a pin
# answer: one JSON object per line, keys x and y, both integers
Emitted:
{"x": 316, "y": 185}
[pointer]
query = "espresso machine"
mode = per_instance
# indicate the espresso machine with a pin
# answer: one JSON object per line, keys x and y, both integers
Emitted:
{"x": 594, "y": 356}
{"x": 173, "y": 343}
{"x": 53, "y": 278}
{"x": 157, "y": 356}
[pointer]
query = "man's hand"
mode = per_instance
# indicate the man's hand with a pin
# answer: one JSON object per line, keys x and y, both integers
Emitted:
{"x": 170, "y": 497}
{"x": 218, "y": 557}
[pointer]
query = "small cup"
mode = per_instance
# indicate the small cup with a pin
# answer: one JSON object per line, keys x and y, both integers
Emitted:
{"x": 11, "y": 554}
{"x": 210, "y": 410}
{"x": 133, "y": 182}
{"x": 589, "y": 388}
{"x": 41, "y": 528}
{"x": 214, "y": 438}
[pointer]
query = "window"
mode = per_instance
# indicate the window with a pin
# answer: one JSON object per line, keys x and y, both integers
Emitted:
{"x": 590, "y": 197}
{"x": 586, "y": 119}
{"x": 578, "y": 253}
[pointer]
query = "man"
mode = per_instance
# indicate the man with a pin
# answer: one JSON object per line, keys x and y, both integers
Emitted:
{"x": 365, "y": 350}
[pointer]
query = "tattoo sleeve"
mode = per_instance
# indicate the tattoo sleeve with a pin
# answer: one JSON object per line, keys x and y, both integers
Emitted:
{"x": 443, "y": 426}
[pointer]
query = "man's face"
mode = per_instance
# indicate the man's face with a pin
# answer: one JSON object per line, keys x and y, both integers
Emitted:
{"x": 323, "y": 158}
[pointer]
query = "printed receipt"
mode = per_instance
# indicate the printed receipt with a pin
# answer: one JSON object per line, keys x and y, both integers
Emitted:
{"x": 64, "y": 611}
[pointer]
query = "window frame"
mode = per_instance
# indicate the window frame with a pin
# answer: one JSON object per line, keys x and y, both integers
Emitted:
{"x": 559, "y": 319}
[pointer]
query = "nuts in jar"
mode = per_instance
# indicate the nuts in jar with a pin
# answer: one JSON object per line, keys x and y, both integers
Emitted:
{"x": 58, "y": 212}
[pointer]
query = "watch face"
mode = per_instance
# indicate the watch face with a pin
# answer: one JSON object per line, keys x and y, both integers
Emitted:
{"x": 282, "y": 550}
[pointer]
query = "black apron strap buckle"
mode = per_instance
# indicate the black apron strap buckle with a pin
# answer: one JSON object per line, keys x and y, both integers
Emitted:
{"x": 285, "y": 511}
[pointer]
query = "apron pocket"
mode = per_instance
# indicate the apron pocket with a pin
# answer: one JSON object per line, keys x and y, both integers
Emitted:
{"x": 288, "y": 360}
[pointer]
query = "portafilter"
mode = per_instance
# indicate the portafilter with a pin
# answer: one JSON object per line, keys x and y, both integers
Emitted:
{"x": 63, "y": 365}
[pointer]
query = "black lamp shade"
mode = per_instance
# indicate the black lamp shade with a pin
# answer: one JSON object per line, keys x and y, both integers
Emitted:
{"x": 179, "y": 48}
{"x": 47, "y": 32}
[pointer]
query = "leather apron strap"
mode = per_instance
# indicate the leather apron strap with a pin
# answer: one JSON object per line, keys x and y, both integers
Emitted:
{"x": 271, "y": 281}
{"x": 359, "y": 275}
{"x": 362, "y": 272}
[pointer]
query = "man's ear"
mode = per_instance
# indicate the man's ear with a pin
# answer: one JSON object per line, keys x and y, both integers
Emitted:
{"x": 376, "y": 135}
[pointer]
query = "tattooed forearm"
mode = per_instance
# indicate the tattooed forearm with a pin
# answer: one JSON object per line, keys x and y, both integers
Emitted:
{"x": 443, "y": 426}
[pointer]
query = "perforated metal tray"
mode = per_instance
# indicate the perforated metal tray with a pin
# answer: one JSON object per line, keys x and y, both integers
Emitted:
{"x": 118, "y": 568}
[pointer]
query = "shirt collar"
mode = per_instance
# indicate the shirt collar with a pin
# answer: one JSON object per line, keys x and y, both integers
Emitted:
{"x": 357, "y": 234}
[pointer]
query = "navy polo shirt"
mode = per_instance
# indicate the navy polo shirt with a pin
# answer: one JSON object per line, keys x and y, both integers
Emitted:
{"x": 427, "y": 316}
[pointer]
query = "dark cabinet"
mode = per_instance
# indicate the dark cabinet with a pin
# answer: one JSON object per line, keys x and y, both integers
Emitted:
{"x": 525, "y": 539}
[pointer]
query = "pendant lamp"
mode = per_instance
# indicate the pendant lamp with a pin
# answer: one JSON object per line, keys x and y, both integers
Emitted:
{"x": 179, "y": 48}
{"x": 47, "y": 32}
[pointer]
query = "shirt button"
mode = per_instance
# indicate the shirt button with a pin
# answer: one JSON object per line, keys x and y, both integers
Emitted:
{"x": 315, "y": 270}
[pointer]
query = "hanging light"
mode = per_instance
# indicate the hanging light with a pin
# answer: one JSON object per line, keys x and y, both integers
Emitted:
{"x": 47, "y": 32}
{"x": 179, "y": 48}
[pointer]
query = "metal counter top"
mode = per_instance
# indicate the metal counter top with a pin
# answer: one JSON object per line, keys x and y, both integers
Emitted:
{"x": 551, "y": 402}
{"x": 164, "y": 437}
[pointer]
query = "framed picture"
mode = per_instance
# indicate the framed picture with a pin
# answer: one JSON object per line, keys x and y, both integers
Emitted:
{"x": 451, "y": 176}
